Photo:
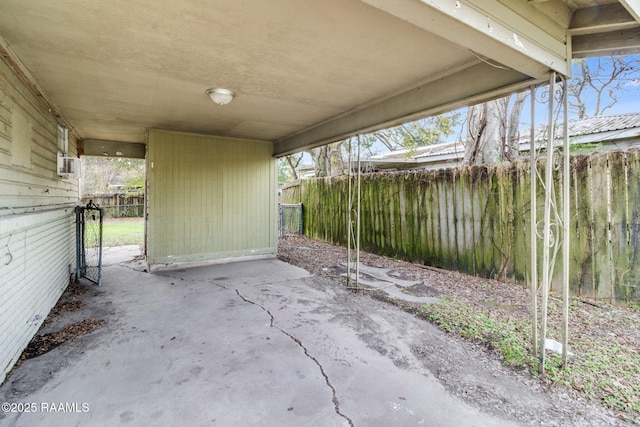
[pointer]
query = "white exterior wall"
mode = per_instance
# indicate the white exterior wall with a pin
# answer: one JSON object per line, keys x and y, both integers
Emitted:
{"x": 37, "y": 220}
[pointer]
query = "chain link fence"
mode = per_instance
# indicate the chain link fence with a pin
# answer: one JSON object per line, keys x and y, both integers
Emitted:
{"x": 290, "y": 219}
{"x": 89, "y": 220}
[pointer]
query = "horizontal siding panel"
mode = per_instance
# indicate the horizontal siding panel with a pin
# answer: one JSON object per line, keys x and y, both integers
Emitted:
{"x": 42, "y": 135}
{"x": 5, "y": 109}
{"x": 16, "y": 208}
{"x": 16, "y": 95}
{"x": 35, "y": 279}
{"x": 5, "y": 124}
{"x": 43, "y": 166}
{"x": 17, "y": 99}
{"x": 44, "y": 161}
{"x": 24, "y": 190}
{"x": 36, "y": 216}
{"x": 21, "y": 223}
{"x": 13, "y": 195}
{"x": 8, "y": 175}
{"x": 14, "y": 271}
{"x": 5, "y": 135}
{"x": 13, "y": 282}
{"x": 36, "y": 175}
{"x": 34, "y": 300}
{"x": 26, "y": 295}
{"x": 17, "y": 188}
{"x": 50, "y": 238}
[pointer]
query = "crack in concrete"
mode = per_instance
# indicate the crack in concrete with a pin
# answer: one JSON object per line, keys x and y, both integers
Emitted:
{"x": 334, "y": 399}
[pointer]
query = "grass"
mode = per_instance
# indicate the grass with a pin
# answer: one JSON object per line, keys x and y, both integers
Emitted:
{"x": 604, "y": 371}
{"x": 122, "y": 231}
{"x": 509, "y": 336}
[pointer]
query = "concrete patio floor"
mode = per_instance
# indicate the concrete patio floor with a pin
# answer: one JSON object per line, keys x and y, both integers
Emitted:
{"x": 258, "y": 343}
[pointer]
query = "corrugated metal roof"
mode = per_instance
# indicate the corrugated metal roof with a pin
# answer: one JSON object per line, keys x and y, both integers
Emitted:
{"x": 589, "y": 126}
{"x": 426, "y": 151}
{"x": 604, "y": 123}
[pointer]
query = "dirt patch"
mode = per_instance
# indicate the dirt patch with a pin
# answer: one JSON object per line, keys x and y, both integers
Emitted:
{"x": 422, "y": 290}
{"x": 41, "y": 344}
{"x": 69, "y": 301}
{"x": 63, "y": 307}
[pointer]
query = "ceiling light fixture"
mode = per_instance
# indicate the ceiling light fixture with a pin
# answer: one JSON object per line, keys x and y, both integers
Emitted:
{"x": 221, "y": 96}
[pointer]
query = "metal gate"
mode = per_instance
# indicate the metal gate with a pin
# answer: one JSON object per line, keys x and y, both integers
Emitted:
{"x": 89, "y": 242}
{"x": 290, "y": 219}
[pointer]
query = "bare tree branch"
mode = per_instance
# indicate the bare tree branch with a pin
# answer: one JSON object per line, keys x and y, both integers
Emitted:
{"x": 293, "y": 165}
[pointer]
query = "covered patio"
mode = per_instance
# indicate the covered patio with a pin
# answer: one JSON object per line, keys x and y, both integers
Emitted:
{"x": 264, "y": 343}
{"x": 130, "y": 79}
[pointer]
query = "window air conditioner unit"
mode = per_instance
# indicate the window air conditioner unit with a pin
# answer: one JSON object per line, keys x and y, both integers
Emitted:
{"x": 68, "y": 167}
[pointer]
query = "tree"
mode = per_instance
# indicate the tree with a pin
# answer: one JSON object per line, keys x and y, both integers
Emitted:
{"x": 412, "y": 135}
{"x": 97, "y": 172}
{"x": 330, "y": 159}
{"x": 492, "y": 127}
{"x": 492, "y": 130}
{"x": 288, "y": 167}
{"x": 603, "y": 78}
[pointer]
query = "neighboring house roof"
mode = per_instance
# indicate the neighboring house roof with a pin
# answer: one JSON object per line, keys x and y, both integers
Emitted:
{"x": 600, "y": 124}
{"x": 614, "y": 130}
{"x": 445, "y": 148}
{"x": 619, "y": 130}
{"x": 431, "y": 156}
{"x": 119, "y": 182}
{"x": 593, "y": 129}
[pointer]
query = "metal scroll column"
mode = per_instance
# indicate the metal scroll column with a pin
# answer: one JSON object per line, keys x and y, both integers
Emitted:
{"x": 533, "y": 226}
{"x": 546, "y": 248}
{"x": 353, "y": 238}
{"x": 566, "y": 217}
{"x": 349, "y": 208}
{"x": 560, "y": 223}
{"x": 358, "y": 217}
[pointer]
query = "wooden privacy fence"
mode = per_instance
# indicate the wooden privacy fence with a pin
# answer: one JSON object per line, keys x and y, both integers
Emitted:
{"x": 476, "y": 219}
{"x": 118, "y": 205}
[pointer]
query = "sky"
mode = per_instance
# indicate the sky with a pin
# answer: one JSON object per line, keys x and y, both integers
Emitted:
{"x": 628, "y": 97}
{"x": 629, "y": 101}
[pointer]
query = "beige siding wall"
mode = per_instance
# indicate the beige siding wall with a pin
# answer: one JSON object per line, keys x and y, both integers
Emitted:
{"x": 37, "y": 232}
{"x": 209, "y": 198}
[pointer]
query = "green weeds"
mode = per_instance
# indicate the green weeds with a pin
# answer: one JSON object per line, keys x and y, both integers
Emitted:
{"x": 508, "y": 336}
{"x": 602, "y": 369}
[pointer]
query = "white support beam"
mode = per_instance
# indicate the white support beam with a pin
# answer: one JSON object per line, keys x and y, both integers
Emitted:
{"x": 633, "y": 7}
{"x": 527, "y": 40}
{"x": 470, "y": 85}
{"x": 601, "y": 19}
{"x": 103, "y": 148}
{"x": 624, "y": 42}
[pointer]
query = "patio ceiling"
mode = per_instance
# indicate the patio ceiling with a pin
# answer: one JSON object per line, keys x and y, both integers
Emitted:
{"x": 305, "y": 72}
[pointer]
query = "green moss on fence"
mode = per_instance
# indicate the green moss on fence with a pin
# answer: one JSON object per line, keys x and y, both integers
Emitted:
{"x": 477, "y": 219}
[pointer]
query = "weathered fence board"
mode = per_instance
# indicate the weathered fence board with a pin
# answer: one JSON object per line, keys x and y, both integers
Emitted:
{"x": 118, "y": 205}
{"x": 476, "y": 219}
